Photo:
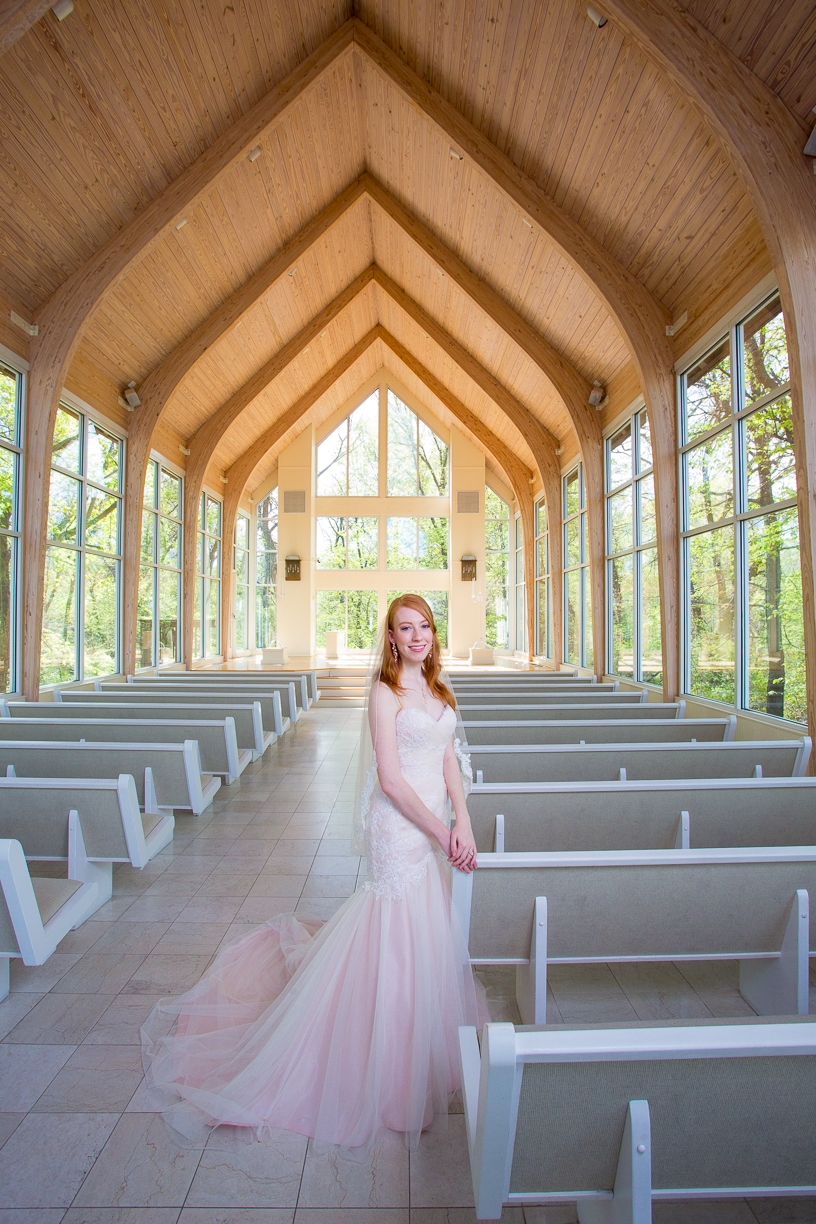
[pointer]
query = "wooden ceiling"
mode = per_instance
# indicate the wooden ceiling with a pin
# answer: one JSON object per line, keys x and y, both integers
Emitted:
{"x": 100, "y": 112}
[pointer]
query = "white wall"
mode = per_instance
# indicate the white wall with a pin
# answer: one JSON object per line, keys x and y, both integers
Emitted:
{"x": 296, "y": 536}
{"x": 467, "y": 535}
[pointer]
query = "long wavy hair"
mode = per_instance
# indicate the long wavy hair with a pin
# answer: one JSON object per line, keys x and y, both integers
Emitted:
{"x": 391, "y": 668}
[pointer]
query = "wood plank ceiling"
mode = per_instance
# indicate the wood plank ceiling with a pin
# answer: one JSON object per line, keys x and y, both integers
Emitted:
{"x": 101, "y": 111}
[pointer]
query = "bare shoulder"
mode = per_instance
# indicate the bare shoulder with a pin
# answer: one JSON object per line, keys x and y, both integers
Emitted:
{"x": 383, "y": 701}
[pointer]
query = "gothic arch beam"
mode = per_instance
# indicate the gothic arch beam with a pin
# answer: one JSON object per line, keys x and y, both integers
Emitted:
{"x": 765, "y": 140}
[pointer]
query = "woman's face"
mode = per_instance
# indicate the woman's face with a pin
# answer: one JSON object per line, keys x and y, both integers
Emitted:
{"x": 412, "y": 634}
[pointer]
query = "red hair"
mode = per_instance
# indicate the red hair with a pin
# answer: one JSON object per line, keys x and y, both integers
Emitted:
{"x": 391, "y": 668}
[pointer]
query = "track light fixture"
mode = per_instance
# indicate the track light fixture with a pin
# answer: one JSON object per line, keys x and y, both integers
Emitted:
{"x": 62, "y": 9}
{"x": 254, "y": 154}
{"x": 132, "y": 395}
{"x": 456, "y": 155}
{"x": 594, "y": 15}
{"x": 596, "y": 394}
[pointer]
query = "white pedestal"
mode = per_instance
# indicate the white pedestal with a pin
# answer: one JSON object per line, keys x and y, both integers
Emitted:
{"x": 274, "y": 656}
{"x": 481, "y": 656}
{"x": 335, "y": 643}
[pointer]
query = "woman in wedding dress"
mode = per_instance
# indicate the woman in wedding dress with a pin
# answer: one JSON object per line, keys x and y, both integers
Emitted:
{"x": 340, "y": 1029}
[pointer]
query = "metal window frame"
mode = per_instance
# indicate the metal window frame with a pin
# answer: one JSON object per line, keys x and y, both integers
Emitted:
{"x": 16, "y": 531}
{"x": 579, "y": 515}
{"x": 202, "y": 580}
{"x": 154, "y": 564}
{"x": 500, "y": 552}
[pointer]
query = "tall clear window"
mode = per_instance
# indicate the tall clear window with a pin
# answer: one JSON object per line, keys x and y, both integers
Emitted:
{"x": 159, "y": 610}
{"x": 266, "y": 570}
{"x": 241, "y": 567}
{"x": 83, "y": 555}
{"x": 417, "y": 543}
{"x": 348, "y": 459}
{"x": 542, "y": 582}
{"x": 521, "y": 601}
{"x": 11, "y": 402}
{"x": 417, "y": 457}
{"x": 578, "y": 648}
{"x": 497, "y": 570}
{"x": 743, "y": 624}
{"x": 347, "y": 542}
{"x": 207, "y": 620}
{"x": 632, "y": 591}
{"x": 352, "y": 612}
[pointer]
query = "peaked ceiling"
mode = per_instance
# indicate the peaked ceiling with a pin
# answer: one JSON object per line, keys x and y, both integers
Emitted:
{"x": 101, "y": 112}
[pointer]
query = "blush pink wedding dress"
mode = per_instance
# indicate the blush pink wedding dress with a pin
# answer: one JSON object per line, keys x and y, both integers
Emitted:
{"x": 338, "y": 1029}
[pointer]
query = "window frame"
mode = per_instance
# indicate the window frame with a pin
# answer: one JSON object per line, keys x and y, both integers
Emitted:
{"x": 542, "y": 578}
{"x": 158, "y": 568}
{"x": 19, "y": 370}
{"x": 581, "y": 566}
{"x": 204, "y": 580}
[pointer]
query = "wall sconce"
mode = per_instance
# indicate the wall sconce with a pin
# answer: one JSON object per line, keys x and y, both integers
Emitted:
{"x": 292, "y": 569}
{"x": 469, "y": 568}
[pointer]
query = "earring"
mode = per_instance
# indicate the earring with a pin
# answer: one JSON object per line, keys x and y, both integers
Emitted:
{"x": 395, "y": 652}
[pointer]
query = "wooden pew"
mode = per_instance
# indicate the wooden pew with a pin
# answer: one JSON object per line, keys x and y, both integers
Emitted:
{"x": 617, "y": 1118}
{"x": 237, "y": 677}
{"x": 592, "y": 907}
{"x": 702, "y": 814}
{"x": 484, "y": 711}
{"x": 166, "y": 776}
{"x": 247, "y": 716}
{"x": 525, "y": 764}
{"x": 542, "y": 698}
{"x": 612, "y": 731}
{"x": 295, "y": 691}
{"x": 278, "y": 706}
{"x": 556, "y": 686}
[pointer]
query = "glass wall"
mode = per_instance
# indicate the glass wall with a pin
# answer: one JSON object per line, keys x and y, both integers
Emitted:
{"x": 578, "y": 648}
{"x": 632, "y": 592}
{"x": 520, "y": 635}
{"x": 207, "y": 618}
{"x": 241, "y": 567}
{"x": 159, "y": 612}
{"x": 497, "y": 570}
{"x": 266, "y": 570}
{"x": 742, "y": 596}
{"x": 11, "y": 411}
{"x": 542, "y": 570}
{"x": 83, "y": 554}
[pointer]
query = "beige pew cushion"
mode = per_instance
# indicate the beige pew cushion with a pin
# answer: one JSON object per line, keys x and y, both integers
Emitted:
{"x": 52, "y": 894}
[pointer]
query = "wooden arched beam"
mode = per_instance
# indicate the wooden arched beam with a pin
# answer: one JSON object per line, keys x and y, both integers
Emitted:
{"x": 62, "y": 320}
{"x": 17, "y": 17}
{"x": 766, "y": 142}
{"x": 640, "y": 317}
{"x": 518, "y": 474}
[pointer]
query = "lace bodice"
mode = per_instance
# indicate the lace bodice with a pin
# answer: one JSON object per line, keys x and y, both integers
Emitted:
{"x": 398, "y": 851}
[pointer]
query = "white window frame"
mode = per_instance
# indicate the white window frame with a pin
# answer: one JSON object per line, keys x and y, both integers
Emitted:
{"x": 19, "y": 368}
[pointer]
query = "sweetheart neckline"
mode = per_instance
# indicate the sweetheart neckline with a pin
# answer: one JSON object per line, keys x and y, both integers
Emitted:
{"x": 427, "y": 713}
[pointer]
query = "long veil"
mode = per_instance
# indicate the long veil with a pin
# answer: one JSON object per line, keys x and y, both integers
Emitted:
{"x": 367, "y": 758}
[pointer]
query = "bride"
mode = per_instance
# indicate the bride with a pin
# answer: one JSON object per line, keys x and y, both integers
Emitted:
{"x": 341, "y": 1029}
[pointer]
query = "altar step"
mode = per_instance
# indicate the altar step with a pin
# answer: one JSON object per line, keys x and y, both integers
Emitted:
{"x": 342, "y": 687}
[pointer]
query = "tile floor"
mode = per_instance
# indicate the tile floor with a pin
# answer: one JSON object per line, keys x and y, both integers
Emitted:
{"x": 79, "y": 1143}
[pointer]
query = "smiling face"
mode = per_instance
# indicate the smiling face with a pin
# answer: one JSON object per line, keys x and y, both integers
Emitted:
{"x": 412, "y": 635}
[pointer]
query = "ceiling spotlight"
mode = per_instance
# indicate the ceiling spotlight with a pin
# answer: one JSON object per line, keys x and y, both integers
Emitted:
{"x": 254, "y": 154}
{"x": 62, "y": 9}
{"x": 292, "y": 271}
{"x": 181, "y": 224}
{"x": 524, "y": 221}
{"x": 594, "y": 15}
{"x": 456, "y": 155}
{"x": 132, "y": 395}
{"x": 596, "y": 394}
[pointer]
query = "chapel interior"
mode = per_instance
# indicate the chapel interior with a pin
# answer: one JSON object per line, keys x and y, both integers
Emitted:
{"x": 308, "y": 303}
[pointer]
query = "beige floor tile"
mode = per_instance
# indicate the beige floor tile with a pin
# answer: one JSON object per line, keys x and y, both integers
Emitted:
{"x": 712, "y": 1211}
{"x": 291, "y": 846}
{"x": 12, "y": 1010}
{"x": 287, "y": 864}
{"x": 60, "y": 1019}
{"x": 223, "y": 885}
{"x": 132, "y": 937}
{"x": 142, "y": 1165}
{"x": 566, "y": 1214}
{"x": 120, "y": 1215}
{"x": 32, "y": 1215}
{"x": 440, "y": 1168}
{"x": 236, "y": 1215}
{"x": 784, "y": 1211}
{"x": 337, "y": 1215}
{"x": 239, "y": 1170}
{"x": 37, "y": 979}
{"x": 336, "y": 864}
{"x": 156, "y": 909}
{"x": 329, "y": 886}
{"x": 208, "y": 846}
{"x": 211, "y": 909}
{"x": 8, "y": 1124}
{"x": 112, "y": 910}
{"x": 334, "y": 1179}
{"x": 47, "y": 1158}
{"x": 84, "y": 937}
{"x": 587, "y": 994}
{"x": 99, "y": 973}
{"x": 659, "y": 992}
{"x": 96, "y": 1079}
{"x": 174, "y": 886}
{"x": 467, "y": 1215}
{"x": 192, "y": 938}
{"x": 261, "y": 909}
{"x": 25, "y": 1073}
{"x": 165, "y": 974}
{"x": 319, "y": 907}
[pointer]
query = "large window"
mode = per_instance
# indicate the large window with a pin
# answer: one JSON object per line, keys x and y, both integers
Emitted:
{"x": 633, "y": 595}
{"x": 207, "y": 622}
{"x": 83, "y": 555}
{"x": 418, "y": 543}
{"x": 542, "y": 581}
{"x": 578, "y": 648}
{"x": 159, "y": 612}
{"x": 497, "y": 568}
{"x": 241, "y": 567}
{"x": 352, "y": 612}
{"x": 417, "y": 457}
{"x": 348, "y": 459}
{"x": 521, "y": 603}
{"x": 743, "y": 627}
{"x": 347, "y": 543}
{"x": 11, "y": 399}
{"x": 266, "y": 570}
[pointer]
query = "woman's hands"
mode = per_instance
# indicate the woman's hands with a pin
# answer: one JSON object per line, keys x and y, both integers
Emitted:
{"x": 462, "y": 848}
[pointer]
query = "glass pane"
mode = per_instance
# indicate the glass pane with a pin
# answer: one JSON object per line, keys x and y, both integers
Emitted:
{"x": 708, "y": 391}
{"x": 519, "y": 570}
{"x": 241, "y": 567}
{"x": 213, "y": 558}
{"x": 622, "y": 596}
{"x": 170, "y": 502}
{"x": 63, "y": 508}
{"x": 361, "y": 631}
{"x": 144, "y": 617}
{"x": 198, "y": 618}
{"x": 202, "y": 517}
{"x": 213, "y": 517}
{"x": 268, "y": 508}
{"x": 497, "y": 534}
{"x": 363, "y": 444}
{"x": 620, "y": 520}
{"x": 651, "y": 661}
{"x": 572, "y": 532}
{"x": 8, "y": 556}
{"x": 266, "y": 534}
{"x": 776, "y": 643}
{"x": 99, "y": 615}
{"x": 169, "y": 543}
{"x": 363, "y": 543}
{"x": 765, "y": 351}
{"x": 402, "y": 543}
{"x": 496, "y": 600}
{"x": 589, "y": 641}
{"x": 769, "y": 444}
{"x": 521, "y": 621}
{"x": 102, "y": 520}
{"x": 432, "y": 462}
{"x": 648, "y": 522}
{"x": 151, "y": 483}
{"x": 65, "y": 448}
{"x": 541, "y": 557}
{"x": 265, "y": 616}
{"x": 541, "y": 618}
{"x": 9, "y": 383}
{"x": 438, "y": 603}
{"x": 519, "y": 532}
{"x": 330, "y": 541}
{"x": 709, "y": 480}
{"x": 644, "y": 441}
{"x": 495, "y": 506}
{"x": 433, "y": 543}
{"x": 8, "y": 481}
{"x": 402, "y": 449}
{"x": 58, "y": 658}
{"x": 332, "y": 467}
{"x": 572, "y": 627}
{"x": 212, "y": 612}
{"x": 711, "y": 614}
{"x": 330, "y": 614}
{"x": 240, "y": 618}
{"x": 266, "y": 569}
{"x": 242, "y": 531}
{"x": 148, "y": 554}
{"x": 620, "y": 456}
{"x": 572, "y": 493}
{"x": 103, "y": 461}
{"x": 169, "y": 613}
{"x": 541, "y": 518}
